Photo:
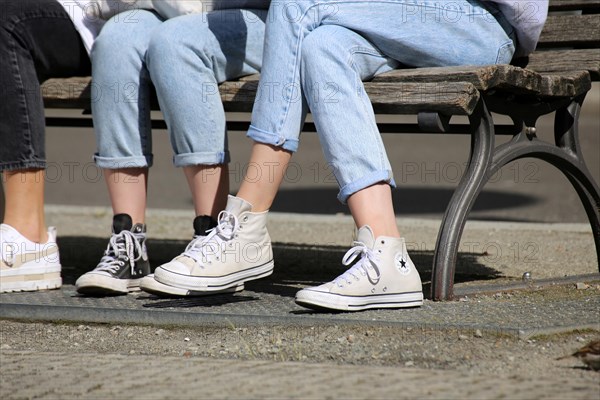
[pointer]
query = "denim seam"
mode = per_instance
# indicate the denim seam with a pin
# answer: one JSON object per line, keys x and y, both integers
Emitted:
{"x": 502, "y": 48}
{"x": 368, "y": 110}
{"x": 20, "y": 165}
{"x": 27, "y": 131}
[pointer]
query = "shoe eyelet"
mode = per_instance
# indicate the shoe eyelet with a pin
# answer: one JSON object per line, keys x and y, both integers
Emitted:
{"x": 382, "y": 241}
{"x": 245, "y": 219}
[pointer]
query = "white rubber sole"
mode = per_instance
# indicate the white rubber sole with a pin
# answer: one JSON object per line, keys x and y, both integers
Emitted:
{"x": 100, "y": 284}
{"x": 29, "y": 278}
{"x": 30, "y": 283}
{"x": 212, "y": 283}
{"x": 150, "y": 285}
{"x": 332, "y": 301}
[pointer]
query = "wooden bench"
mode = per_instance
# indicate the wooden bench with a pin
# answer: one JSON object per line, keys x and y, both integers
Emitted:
{"x": 556, "y": 79}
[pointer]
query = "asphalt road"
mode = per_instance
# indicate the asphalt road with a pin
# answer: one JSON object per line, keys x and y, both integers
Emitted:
{"x": 426, "y": 168}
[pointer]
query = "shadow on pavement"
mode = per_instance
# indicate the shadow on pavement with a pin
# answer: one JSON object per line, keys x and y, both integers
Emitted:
{"x": 407, "y": 200}
{"x": 296, "y": 266}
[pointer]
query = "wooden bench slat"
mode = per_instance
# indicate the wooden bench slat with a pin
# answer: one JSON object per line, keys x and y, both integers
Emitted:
{"x": 564, "y": 60}
{"x": 570, "y": 5}
{"x": 490, "y": 77}
{"x": 392, "y": 98}
{"x": 571, "y": 31}
{"x": 574, "y": 82}
{"x": 405, "y": 98}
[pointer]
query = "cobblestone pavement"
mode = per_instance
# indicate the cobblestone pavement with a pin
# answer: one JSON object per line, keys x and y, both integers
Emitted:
{"x": 101, "y": 376}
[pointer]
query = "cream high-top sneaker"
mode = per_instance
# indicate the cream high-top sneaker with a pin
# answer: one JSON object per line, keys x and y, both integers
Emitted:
{"x": 236, "y": 251}
{"x": 383, "y": 277}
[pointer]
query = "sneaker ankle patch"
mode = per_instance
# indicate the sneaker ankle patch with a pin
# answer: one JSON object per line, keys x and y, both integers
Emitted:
{"x": 401, "y": 264}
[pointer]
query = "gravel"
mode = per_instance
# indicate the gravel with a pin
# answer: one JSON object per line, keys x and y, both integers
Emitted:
{"x": 358, "y": 345}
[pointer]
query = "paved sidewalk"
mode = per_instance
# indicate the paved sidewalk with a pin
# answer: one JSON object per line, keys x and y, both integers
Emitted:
{"x": 93, "y": 376}
{"x": 493, "y": 343}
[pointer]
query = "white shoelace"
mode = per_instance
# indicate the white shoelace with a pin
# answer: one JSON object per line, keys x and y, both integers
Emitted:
{"x": 201, "y": 247}
{"x": 368, "y": 260}
{"x": 122, "y": 247}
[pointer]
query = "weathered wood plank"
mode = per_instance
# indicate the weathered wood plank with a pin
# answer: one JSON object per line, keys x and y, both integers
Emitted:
{"x": 566, "y": 60}
{"x": 570, "y": 5}
{"x": 387, "y": 98}
{"x": 397, "y": 98}
{"x": 485, "y": 78}
{"x": 572, "y": 82}
{"x": 571, "y": 30}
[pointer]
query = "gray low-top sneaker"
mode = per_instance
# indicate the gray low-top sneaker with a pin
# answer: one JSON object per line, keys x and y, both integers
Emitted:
{"x": 124, "y": 264}
{"x": 382, "y": 277}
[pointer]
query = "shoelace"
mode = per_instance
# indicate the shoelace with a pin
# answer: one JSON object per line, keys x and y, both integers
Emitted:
{"x": 201, "y": 247}
{"x": 368, "y": 258}
{"x": 122, "y": 247}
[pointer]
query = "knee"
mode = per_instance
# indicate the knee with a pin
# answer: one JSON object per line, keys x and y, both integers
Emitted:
{"x": 174, "y": 42}
{"x": 321, "y": 45}
{"x": 119, "y": 38}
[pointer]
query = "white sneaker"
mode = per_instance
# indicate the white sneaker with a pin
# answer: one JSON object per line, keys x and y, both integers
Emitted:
{"x": 383, "y": 277}
{"x": 26, "y": 265}
{"x": 150, "y": 285}
{"x": 237, "y": 250}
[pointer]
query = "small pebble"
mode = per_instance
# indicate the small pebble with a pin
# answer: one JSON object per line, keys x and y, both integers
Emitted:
{"x": 187, "y": 339}
{"x": 478, "y": 333}
{"x": 409, "y": 363}
{"x": 581, "y": 286}
{"x": 350, "y": 338}
{"x": 159, "y": 332}
{"x": 463, "y": 337}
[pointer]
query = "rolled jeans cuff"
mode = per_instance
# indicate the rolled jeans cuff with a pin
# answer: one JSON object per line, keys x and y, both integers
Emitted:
{"x": 190, "y": 159}
{"x": 124, "y": 162}
{"x": 258, "y": 135}
{"x": 364, "y": 182}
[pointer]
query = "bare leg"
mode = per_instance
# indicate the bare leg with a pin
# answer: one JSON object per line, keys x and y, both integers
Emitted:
{"x": 266, "y": 170}
{"x": 373, "y": 206}
{"x": 24, "y": 207}
{"x": 209, "y": 185}
{"x": 127, "y": 189}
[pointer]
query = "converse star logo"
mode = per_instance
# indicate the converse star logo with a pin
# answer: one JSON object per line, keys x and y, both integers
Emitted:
{"x": 401, "y": 264}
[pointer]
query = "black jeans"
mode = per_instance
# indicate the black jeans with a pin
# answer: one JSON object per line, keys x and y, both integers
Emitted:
{"x": 37, "y": 41}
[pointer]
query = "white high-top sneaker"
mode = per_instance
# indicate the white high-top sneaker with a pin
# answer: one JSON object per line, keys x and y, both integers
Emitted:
{"x": 236, "y": 251}
{"x": 383, "y": 277}
{"x": 25, "y": 265}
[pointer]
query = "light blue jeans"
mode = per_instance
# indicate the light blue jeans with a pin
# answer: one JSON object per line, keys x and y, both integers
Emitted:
{"x": 318, "y": 52}
{"x": 185, "y": 58}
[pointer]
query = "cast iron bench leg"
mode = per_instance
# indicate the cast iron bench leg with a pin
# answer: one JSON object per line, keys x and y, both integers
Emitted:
{"x": 485, "y": 161}
{"x": 471, "y": 183}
